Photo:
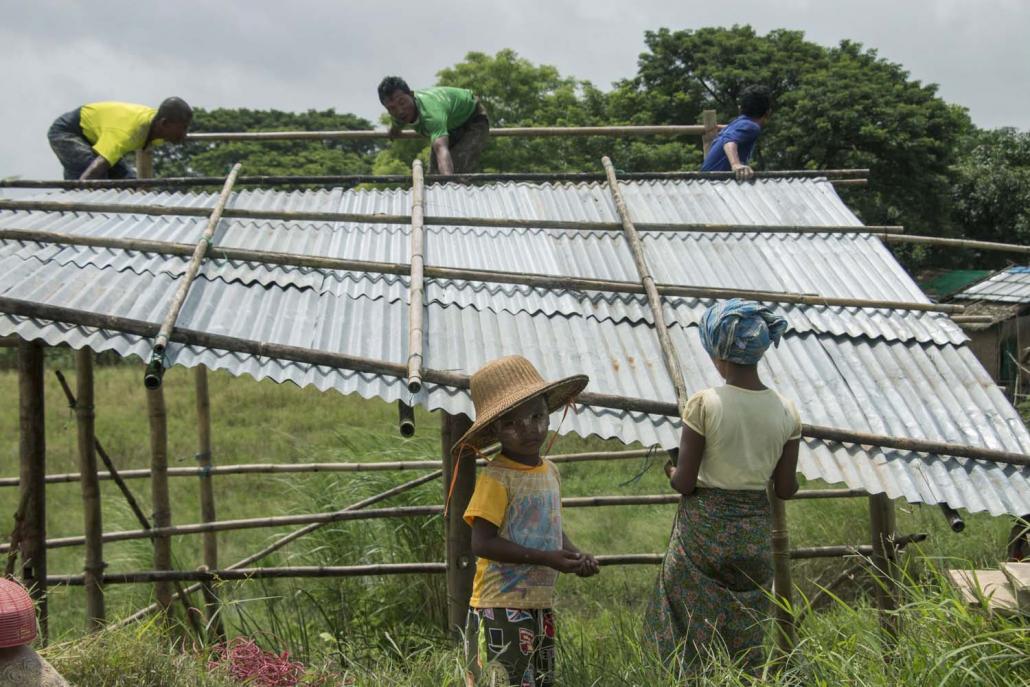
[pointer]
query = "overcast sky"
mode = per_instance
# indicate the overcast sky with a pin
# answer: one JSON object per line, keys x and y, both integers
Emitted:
{"x": 302, "y": 54}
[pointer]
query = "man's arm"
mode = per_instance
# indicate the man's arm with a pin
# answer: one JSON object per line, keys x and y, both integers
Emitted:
{"x": 97, "y": 169}
{"x": 741, "y": 171}
{"x": 442, "y": 149}
{"x": 486, "y": 544}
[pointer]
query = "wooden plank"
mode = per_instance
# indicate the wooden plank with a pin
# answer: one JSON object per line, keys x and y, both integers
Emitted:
{"x": 1018, "y": 575}
{"x": 988, "y": 589}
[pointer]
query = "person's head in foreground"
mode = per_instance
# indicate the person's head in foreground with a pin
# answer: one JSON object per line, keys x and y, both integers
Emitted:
{"x": 398, "y": 99}
{"x": 737, "y": 333}
{"x": 513, "y": 404}
{"x": 172, "y": 121}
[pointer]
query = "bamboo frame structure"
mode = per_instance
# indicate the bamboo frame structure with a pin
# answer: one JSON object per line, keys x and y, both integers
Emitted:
{"x": 711, "y": 130}
{"x": 32, "y": 460}
{"x": 541, "y": 281}
{"x": 883, "y": 533}
{"x": 416, "y": 286}
{"x": 956, "y": 243}
{"x": 155, "y": 369}
{"x": 783, "y": 587}
{"x": 90, "y": 486}
{"x": 461, "y": 381}
{"x": 834, "y": 176}
{"x": 654, "y": 301}
{"x": 230, "y": 574}
{"x": 459, "y": 481}
{"x": 286, "y": 539}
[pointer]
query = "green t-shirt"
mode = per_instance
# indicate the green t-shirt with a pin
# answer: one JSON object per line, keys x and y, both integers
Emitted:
{"x": 441, "y": 109}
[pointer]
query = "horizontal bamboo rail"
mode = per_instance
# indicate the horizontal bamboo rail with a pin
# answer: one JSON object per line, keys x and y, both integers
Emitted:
{"x": 496, "y": 132}
{"x": 835, "y": 176}
{"x": 157, "y": 210}
{"x": 461, "y": 381}
{"x": 956, "y": 243}
{"x": 542, "y": 281}
{"x": 380, "y": 569}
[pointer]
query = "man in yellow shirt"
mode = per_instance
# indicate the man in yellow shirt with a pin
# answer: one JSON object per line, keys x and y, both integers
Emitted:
{"x": 92, "y": 141}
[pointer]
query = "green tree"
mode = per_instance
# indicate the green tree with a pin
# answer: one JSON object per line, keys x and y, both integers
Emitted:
{"x": 991, "y": 194}
{"x": 833, "y": 108}
{"x": 273, "y": 157}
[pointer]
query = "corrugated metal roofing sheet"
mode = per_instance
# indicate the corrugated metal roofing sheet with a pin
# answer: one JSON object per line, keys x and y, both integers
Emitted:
{"x": 1008, "y": 286}
{"x": 893, "y": 372}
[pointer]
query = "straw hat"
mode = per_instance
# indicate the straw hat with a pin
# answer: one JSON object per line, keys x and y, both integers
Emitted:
{"x": 506, "y": 383}
{"x": 17, "y": 615}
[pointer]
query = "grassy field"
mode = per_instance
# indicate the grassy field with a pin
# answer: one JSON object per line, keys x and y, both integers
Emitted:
{"x": 389, "y": 628}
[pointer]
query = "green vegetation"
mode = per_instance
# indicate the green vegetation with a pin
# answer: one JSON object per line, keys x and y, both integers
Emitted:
{"x": 388, "y": 631}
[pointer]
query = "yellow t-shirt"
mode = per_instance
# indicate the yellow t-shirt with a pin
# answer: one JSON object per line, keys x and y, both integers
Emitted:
{"x": 525, "y": 504}
{"x": 116, "y": 129}
{"x": 744, "y": 433}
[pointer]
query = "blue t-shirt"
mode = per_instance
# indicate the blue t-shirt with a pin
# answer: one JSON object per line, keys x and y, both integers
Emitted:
{"x": 744, "y": 132}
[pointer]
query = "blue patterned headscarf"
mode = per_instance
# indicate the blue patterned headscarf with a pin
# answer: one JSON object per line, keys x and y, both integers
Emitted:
{"x": 740, "y": 331}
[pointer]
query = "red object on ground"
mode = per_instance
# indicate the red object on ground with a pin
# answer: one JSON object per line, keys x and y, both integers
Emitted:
{"x": 247, "y": 662}
{"x": 17, "y": 615}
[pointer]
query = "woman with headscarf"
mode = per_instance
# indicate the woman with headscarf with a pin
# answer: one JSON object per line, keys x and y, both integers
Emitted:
{"x": 711, "y": 593}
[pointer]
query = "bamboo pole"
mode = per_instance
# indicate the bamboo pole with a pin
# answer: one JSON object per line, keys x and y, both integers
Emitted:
{"x": 32, "y": 454}
{"x": 288, "y": 538}
{"x": 711, "y": 130}
{"x": 461, "y": 381}
{"x": 9, "y": 341}
{"x": 495, "y": 132}
{"x": 159, "y": 492}
{"x": 157, "y": 210}
{"x": 672, "y": 361}
{"x": 803, "y": 494}
{"x": 953, "y": 517}
{"x": 406, "y": 419}
{"x": 14, "y": 541}
{"x": 845, "y": 550}
{"x": 783, "y": 587}
{"x": 542, "y": 281}
{"x": 834, "y": 176}
{"x": 214, "y": 576}
{"x": 461, "y": 564}
{"x": 416, "y": 287}
{"x": 155, "y": 369}
{"x": 145, "y": 163}
{"x": 207, "y": 498}
{"x": 90, "y": 487}
{"x": 957, "y": 243}
{"x": 885, "y": 565}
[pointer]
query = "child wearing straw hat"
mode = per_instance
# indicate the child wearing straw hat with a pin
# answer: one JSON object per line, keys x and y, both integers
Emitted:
{"x": 711, "y": 590}
{"x": 20, "y": 666}
{"x": 517, "y": 535}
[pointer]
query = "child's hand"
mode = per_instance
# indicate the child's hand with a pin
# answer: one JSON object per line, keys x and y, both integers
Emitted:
{"x": 563, "y": 561}
{"x": 588, "y": 567}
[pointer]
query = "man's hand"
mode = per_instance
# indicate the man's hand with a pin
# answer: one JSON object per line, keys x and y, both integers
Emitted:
{"x": 743, "y": 172}
{"x": 588, "y": 566}
{"x": 563, "y": 561}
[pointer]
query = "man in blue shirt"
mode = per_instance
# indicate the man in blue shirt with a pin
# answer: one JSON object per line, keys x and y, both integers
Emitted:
{"x": 731, "y": 150}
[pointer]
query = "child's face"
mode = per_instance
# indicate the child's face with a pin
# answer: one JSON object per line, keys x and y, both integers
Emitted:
{"x": 523, "y": 430}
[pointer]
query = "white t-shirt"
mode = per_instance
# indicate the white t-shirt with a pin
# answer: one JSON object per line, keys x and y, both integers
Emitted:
{"x": 744, "y": 434}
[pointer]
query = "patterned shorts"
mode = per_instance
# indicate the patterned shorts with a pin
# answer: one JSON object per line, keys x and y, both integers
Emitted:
{"x": 518, "y": 645}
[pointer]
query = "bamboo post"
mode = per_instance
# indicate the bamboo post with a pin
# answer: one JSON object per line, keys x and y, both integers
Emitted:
{"x": 884, "y": 559}
{"x": 416, "y": 288}
{"x": 672, "y": 362}
{"x": 145, "y": 163}
{"x": 783, "y": 587}
{"x": 207, "y": 498}
{"x": 90, "y": 486}
{"x": 709, "y": 122}
{"x": 461, "y": 564}
{"x": 159, "y": 491}
{"x": 155, "y": 369}
{"x": 407, "y": 419}
{"x": 32, "y": 452}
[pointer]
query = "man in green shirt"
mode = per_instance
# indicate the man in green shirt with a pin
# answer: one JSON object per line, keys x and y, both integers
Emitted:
{"x": 92, "y": 141}
{"x": 453, "y": 120}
